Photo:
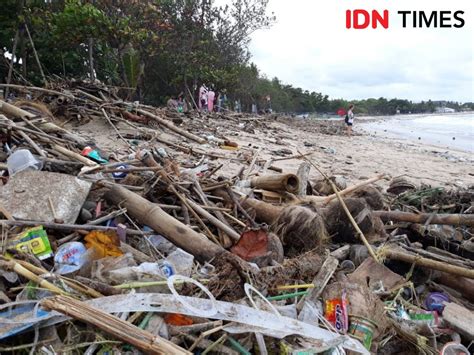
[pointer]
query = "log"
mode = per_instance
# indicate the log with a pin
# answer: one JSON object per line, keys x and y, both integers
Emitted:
{"x": 428, "y": 263}
{"x": 265, "y": 212}
{"x": 118, "y": 328}
{"x": 153, "y": 216}
{"x": 172, "y": 127}
{"x": 303, "y": 176}
{"x": 14, "y": 111}
{"x": 276, "y": 182}
{"x": 422, "y": 218}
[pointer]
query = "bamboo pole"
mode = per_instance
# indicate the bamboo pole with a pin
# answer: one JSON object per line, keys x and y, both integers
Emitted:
{"x": 276, "y": 182}
{"x": 153, "y": 216}
{"x": 118, "y": 328}
{"x": 422, "y": 218}
{"x": 428, "y": 263}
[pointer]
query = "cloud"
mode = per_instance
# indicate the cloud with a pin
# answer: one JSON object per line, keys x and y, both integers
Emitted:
{"x": 310, "y": 47}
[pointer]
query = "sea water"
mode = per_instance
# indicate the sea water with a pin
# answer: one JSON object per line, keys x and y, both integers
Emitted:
{"x": 451, "y": 131}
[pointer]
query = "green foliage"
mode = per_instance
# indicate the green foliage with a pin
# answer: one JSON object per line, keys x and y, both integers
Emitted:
{"x": 162, "y": 48}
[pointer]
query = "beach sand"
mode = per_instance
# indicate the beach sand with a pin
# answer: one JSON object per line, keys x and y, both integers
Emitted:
{"x": 356, "y": 158}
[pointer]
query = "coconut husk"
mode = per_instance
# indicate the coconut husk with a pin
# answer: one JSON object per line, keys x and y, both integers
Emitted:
{"x": 300, "y": 229}
{"x": 324, "y": 188}
{"x": 36, "y": 108}
{"x": 340, "y": 228}
{"x": 399, "y": 185}
{"x": 371, "y": 195}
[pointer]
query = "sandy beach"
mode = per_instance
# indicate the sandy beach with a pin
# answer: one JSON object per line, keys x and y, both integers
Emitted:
{"x": 356, "y": 158}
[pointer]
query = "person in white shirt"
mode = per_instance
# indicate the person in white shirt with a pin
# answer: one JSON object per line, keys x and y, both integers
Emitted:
{"x": 349, "y": 120}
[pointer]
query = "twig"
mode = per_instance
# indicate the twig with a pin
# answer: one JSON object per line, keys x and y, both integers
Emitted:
{"x": 115, "y": 128}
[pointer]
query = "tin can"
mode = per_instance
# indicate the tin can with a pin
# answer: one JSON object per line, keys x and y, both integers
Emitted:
{"x": 362, "y": 329}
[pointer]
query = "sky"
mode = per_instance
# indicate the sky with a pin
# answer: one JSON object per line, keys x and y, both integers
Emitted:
{"x": 310, "y": 47}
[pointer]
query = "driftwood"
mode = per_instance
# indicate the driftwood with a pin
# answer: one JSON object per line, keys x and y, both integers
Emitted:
{"x": 276, "y": 182}
{"x": 118, "y": 328}
{"x": 153, "y": 216}
{"x": 303, "y": 176}
{"x": 451, "y": 219}
{"x": 428, "y": 263}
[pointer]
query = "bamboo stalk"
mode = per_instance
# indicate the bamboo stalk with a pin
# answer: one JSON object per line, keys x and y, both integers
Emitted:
{"x": 120, "y": 329}
{"x": 450, "y": 219}
{"x": 428, "y": 263}
{"x": 20, "y": 270}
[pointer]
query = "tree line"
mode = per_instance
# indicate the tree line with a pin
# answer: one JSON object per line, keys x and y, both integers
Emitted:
{"x": 156, "y": 49}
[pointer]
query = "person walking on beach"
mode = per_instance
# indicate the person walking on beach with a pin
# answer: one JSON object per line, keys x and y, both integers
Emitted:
{"x": 349, "y": 120}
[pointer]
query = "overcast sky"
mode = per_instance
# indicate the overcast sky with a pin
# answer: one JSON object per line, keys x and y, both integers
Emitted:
{"x": 310, "y": 47}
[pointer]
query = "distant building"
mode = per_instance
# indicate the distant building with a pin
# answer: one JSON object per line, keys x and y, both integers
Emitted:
{"x": 445, "y": 110}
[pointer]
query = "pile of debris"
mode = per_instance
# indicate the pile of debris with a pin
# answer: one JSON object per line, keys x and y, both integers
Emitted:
{"x": 182, "y": 240}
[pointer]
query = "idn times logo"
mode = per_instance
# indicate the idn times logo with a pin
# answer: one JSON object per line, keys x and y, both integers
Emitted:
{"x": 361, "y": 19}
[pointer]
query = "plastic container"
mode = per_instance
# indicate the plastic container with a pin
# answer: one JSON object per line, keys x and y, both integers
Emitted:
{"x": 362, "y": 329}
{"x": 182, "y": 262}
{"x": 22, "y": 159}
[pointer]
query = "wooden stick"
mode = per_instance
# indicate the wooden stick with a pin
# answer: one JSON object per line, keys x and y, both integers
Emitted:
{"x": 74, "y": 155}
{"x": 36, "y": 54}
{"x": 47, "y": 91}
{"x": 115, "y": 128}
{"x": 20, "y": 270}
{"x": 428, "y": 263}
{"x": 46, "y": 136}
{"x": 25, "y": 137}
{"x": 118, "y": 328}
{"x": 216, "y": 222}
{"x": 450, "y": 219}
{"x": 10, "y": 69}
{"x": 324, "y": 200}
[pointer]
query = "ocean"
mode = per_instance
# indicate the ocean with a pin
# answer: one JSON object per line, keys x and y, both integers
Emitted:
{"x": 451, "y": 131}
